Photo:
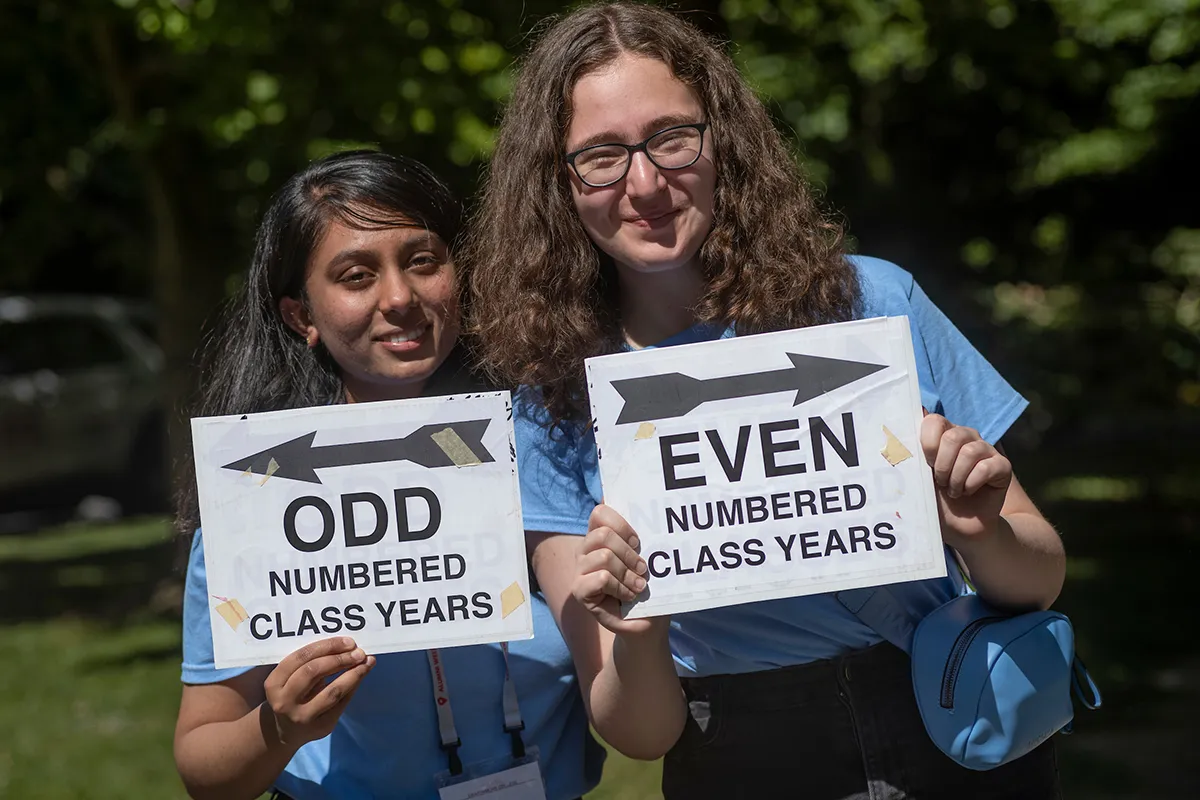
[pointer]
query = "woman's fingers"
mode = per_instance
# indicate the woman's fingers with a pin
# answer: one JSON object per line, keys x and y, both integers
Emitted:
{"x": 994, "y": 471}
{"x": 337, "y": 693}
{"x": 605, "y": 538}
{"x": 605, "y": 517}
{"x": 969, "y": 455}
{"x": 932, "y": 428}
{"x": 610, "y": 569}
{"x": 606, "y": 562}
{"x": 954, "y": 451}
{"x": 308, "y": 679}
{"x": 949, "y": 452}
{"x": 593, "y": 587}
{"x": 293, "y": 661}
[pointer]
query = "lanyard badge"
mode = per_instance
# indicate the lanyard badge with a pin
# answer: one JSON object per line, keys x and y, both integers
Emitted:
{"x": 512, "y": 778}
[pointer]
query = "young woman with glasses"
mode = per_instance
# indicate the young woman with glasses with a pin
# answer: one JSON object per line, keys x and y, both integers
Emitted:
{"x": 639, "y": 196}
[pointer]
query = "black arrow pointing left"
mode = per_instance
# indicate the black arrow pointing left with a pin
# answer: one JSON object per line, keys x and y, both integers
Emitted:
{"x": 299, "y": 459}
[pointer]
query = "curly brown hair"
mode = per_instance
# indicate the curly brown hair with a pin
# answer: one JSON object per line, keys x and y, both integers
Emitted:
{"x": 544, "y": 297}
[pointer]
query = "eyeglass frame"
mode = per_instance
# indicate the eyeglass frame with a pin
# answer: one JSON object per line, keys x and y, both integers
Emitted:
{"x": 633, "y": 149}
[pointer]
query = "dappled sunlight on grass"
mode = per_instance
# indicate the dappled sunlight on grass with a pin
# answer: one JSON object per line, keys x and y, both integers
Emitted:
{"x": 1094, "y": 488}
{"x": 77, "y": 540}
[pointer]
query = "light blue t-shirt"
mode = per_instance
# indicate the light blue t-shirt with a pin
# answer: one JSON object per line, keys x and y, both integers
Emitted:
{"x": 560, "y": 485}
{"x": 386, "y": 742}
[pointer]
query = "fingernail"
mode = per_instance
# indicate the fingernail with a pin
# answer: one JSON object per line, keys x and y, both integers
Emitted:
{"x": 953, "y": 493}
{"x": 639, "y": 583}
{"x": 641, "y": 567}
{"x": 370, "y": 661}
{"x": 358, "y": 653}
{"x": 347, "y": 642}
{"x": 635, "y": 542}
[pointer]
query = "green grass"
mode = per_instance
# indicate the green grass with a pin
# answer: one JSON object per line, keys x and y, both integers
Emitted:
{"x": 76, "y": 541}
{"x": 88, "y": 711}
{"x": 625, "y": 779}
{"x": 90, "y": 668}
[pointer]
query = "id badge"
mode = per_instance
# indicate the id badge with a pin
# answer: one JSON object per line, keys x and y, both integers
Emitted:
{"x": 503, "y": 779}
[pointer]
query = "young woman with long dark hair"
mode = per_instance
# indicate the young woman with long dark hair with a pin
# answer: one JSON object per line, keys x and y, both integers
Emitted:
{"x": 352, "y": 296}
{"x": 639, "y": 196}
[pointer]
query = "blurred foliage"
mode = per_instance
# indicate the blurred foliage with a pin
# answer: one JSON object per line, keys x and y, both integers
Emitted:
{"x": 1028, "y": 151}
{"x": 1021, "y": 158}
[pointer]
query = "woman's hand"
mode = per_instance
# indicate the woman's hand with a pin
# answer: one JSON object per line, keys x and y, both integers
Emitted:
{"x": 305, "y": 705}
{"x": 610, "y": 571}
{"x": 971, "y": 479}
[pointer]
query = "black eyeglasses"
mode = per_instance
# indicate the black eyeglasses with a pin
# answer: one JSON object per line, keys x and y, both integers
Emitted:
{"x": 671, "y": 148}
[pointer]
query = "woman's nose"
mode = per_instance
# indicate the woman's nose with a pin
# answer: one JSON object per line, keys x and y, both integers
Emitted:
{"x": 397, "y": 294}
{"x": 643, "y": 179}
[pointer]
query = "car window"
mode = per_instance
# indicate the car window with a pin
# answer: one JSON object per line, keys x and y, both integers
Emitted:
{"x": 65, "y": 343}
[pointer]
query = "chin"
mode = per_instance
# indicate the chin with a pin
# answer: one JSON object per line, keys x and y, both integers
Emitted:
{"x": 657, "y": 262}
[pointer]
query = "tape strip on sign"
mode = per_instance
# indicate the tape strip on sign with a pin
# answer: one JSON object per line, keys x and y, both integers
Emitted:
{"x": 894, "y": 451}
{"x": 272, "y": 468}
{"x": 644, "y": 431}
{"x": 511, "y": 599}
{"x": 232, "y": 612}
{"x": 453, "y": 446}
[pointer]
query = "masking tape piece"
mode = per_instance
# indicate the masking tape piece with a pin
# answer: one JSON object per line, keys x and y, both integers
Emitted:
{"x": 247, "y": 473}
{"x": 511, "y": 599}
{"x": 894, "y": 451}
{"x": 458, "y": 450}
{"x": 272, "y": 468}
{"x": 644, "y": 431}
{"x": 232, "y": 612}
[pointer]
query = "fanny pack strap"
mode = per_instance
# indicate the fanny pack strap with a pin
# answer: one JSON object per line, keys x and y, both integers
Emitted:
{"x": 879, "y": 610}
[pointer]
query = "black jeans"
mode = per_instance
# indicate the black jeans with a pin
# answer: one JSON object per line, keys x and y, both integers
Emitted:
{"x": 278, "y": 795}
{"x": 843, "y": 729}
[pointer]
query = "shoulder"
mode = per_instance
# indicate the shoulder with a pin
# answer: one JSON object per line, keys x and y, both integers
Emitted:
{"x": 886, "y": 287}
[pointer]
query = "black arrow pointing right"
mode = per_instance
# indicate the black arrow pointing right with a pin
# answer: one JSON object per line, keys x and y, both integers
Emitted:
{"x": 674, "y": 394}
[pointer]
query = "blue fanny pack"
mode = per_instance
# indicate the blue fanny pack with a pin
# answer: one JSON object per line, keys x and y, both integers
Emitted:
{"x": 990, "y": 686}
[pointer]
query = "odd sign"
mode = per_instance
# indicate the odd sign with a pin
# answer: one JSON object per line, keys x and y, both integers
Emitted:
{"x": 768, "y": 466}
{"x": 397, "y": 523}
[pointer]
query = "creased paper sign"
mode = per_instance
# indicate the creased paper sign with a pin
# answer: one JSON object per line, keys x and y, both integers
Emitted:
{"x": 358, "y": 520}
{"x": 750, "y": 467}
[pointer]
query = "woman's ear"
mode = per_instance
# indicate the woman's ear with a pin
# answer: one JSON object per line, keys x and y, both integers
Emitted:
{"x": 295, "y": 316}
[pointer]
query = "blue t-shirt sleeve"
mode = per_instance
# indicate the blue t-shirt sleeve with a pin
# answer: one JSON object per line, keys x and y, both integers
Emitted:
{"x": 956, "y": 381}
{"x": 198, "y": 666}
{"x": 554, "y": 492}
{"x": 970, "y": 391}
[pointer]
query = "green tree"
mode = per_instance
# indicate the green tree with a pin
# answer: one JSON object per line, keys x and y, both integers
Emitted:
{"x": 1025, "y": 151}
{"x": 143, "y": 137}
{"x": 1019, "y": 157}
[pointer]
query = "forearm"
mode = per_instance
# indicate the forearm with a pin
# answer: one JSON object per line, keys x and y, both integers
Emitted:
{"x": 636, "y": 703}
{"x": 1020, "y": 564}
{"x": 240, "y": 758}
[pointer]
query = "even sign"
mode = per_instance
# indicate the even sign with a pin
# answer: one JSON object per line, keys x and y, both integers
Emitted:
{"x": 769, "y": 466}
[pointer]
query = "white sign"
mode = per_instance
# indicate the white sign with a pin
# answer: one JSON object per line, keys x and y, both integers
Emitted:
{"x": 395, "y": 523}
{"x": 769, "y": 466}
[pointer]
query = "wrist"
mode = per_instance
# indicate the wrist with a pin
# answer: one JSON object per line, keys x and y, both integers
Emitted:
{"x": 272, "y": 732}
{"x": 652, "y": 637}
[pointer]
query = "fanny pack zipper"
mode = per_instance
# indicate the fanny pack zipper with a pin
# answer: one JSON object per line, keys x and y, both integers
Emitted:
{"x": 957, "y": 653}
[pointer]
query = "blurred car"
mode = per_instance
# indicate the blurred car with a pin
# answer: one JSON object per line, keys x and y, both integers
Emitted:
{"x": 81, "y": 406}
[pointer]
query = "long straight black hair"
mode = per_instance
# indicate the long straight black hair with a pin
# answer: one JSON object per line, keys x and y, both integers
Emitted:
{"x": 253, "y": 361}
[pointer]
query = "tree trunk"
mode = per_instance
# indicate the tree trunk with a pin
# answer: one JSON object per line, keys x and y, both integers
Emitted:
{"x": 186, "y": 288}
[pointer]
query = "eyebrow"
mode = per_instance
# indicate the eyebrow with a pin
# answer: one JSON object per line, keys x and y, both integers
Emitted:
{"x": 351, "y": 257}
{"x": 368, "y": 256}
{"x": 650, "y": 128}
